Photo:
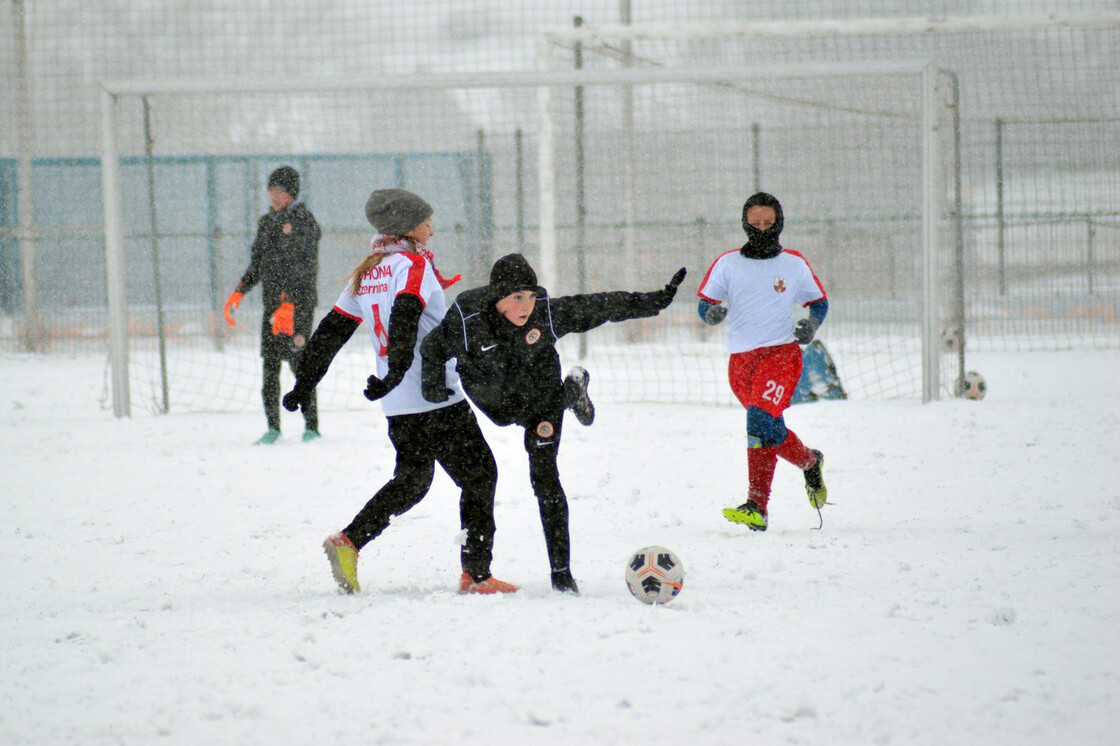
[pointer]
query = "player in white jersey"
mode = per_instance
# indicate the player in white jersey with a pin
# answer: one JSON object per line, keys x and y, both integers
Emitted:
{"x": 760, "y": 283}
{"x": 398, "y": 292}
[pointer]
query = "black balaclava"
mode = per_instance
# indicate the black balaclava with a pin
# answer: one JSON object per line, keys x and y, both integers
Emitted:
{"x": 762, "y": 244}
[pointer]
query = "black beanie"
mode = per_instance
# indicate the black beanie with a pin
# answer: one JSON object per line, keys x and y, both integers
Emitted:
{"x": 395, "y": 212}
{"x": 762, "y": 244}
{"x": 510, "y": 274}
{"x": 285, "y": 179}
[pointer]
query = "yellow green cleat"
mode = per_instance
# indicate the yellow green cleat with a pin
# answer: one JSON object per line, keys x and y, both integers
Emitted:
{"x": 814, "y": 482}
{"x": 343, "y": 556}
{"x": 750, "y": 514}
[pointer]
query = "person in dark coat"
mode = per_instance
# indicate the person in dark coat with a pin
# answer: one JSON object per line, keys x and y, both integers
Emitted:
{"x": 285, "y": 262}
{"x": 503, "y": 337}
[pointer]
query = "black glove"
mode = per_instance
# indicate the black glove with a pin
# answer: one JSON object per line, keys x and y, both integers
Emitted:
{"x": 715, "y": 314}
{"x": 297, "y": 398}
{"x": 805, "y": 329}
{"x": 665, "y": 296}
{"x": 435, "y": 391}
{"x": 376, "y": 388}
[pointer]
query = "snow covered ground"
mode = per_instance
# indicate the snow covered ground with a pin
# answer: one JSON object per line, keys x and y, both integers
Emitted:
{"x": 163, "y": 581}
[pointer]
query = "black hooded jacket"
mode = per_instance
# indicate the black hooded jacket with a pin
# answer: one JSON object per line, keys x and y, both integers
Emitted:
{"x": 513, "y": 372}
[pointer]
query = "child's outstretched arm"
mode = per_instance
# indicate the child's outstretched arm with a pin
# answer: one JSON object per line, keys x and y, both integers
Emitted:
{"x": 332, "y": 333}
{"x": 581, "y": 313}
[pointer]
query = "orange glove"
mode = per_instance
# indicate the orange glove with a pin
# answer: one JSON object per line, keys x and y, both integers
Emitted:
{"x": 231, "y": 304}
{"x": 284, "y": 319}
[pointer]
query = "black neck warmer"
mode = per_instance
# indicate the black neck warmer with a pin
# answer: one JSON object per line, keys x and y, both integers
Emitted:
{"x": 761, "y": 244}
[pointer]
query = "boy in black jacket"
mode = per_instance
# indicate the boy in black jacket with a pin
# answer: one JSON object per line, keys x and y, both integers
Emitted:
{"x": 504, "y": 337}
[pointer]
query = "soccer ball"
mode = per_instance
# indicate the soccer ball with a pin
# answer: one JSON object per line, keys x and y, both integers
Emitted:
{"x": 950, "y": 340}
{"x": 654, "y": 575}
{"x": 972, "y": 386}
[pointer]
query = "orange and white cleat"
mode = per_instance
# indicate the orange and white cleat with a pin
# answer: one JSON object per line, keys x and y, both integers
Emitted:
{"x": 467, "y": 584}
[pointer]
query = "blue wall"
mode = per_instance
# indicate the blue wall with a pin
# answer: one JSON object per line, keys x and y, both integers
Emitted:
{"x": 207, "y": 208}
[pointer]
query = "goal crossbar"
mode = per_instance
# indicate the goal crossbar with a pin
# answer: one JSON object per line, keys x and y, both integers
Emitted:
{"x": 530, "y": 79}
{"x": 831, "y": 28}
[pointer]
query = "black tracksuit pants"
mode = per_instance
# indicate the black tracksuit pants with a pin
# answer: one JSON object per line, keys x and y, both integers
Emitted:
{"x": 451, "y": 436}
{"x": 270, "y": 393}
{"x": 542, "y": 442}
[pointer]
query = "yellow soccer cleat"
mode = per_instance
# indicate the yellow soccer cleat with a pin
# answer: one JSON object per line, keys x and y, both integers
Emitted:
{"x": 344, "y": 561}
{"x": 814, "y": 482}
{"x": 750, "y": 514}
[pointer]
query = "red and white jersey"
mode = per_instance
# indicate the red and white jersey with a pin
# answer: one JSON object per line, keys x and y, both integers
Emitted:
{"x": 399, "y": 273}
{"x": 760, "y": 295}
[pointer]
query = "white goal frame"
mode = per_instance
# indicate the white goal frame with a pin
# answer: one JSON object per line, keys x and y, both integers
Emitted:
{"x": 931, "y": 79}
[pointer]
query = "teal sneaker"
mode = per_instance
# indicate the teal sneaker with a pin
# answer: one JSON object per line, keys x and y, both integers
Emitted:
{"x": 268, "y": 438}
{"x": 814, "y": 482}
{"x": 750, "y": 514}
{"x": 310, "y": 436}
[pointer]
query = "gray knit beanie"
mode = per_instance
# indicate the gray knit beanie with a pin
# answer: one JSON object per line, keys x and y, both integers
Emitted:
{"x": 395, "y": 212}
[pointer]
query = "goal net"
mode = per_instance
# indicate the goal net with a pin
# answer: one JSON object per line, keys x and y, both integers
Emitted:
{"x": 606, "y": 177}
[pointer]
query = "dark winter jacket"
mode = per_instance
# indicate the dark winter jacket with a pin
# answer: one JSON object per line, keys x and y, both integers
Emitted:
{"x": 513, "y": 372}
{"x": 285, "y": 259}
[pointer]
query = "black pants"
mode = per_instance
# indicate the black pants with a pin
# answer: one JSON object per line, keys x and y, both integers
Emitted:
{"x": 542, "y": 442}
{"x": 270, "y": 394}
{"x": 451, "y": 436}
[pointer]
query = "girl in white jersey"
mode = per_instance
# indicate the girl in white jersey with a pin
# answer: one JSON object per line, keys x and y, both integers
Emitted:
{"x": 397, "y": 291}
{"x": 760, "y": 283}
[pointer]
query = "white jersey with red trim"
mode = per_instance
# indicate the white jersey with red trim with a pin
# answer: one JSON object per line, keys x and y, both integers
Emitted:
{"x": 760, "y": 295}
{"x": 399, "y": 273}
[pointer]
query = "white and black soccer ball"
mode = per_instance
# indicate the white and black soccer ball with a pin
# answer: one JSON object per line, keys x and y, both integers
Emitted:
{"x": 972, "y": 386}
{"x": 950, "y": 340}
{"x": 654, "y": 575}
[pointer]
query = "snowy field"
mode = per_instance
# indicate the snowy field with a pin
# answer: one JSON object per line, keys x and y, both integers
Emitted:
{"x": 163, "y": 581}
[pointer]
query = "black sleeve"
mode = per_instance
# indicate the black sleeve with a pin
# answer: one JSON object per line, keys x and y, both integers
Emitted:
{"x": 574, "y": 314}
{"x": 404, "y": 323}
{"x": 303, "y": 289}
{"x": 333, "y": 332}
{"x": 435, "y": 352}
{"x": 252, "y": 274}
{"x": 315, "y": 233}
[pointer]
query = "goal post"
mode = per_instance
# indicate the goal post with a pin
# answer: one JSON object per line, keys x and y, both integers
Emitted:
{"x": 886, "y": 158}
{"x": 114, "y": 256}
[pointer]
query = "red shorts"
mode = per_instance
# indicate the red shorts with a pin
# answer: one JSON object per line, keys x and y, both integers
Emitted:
{"x": 766, "y": 377}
